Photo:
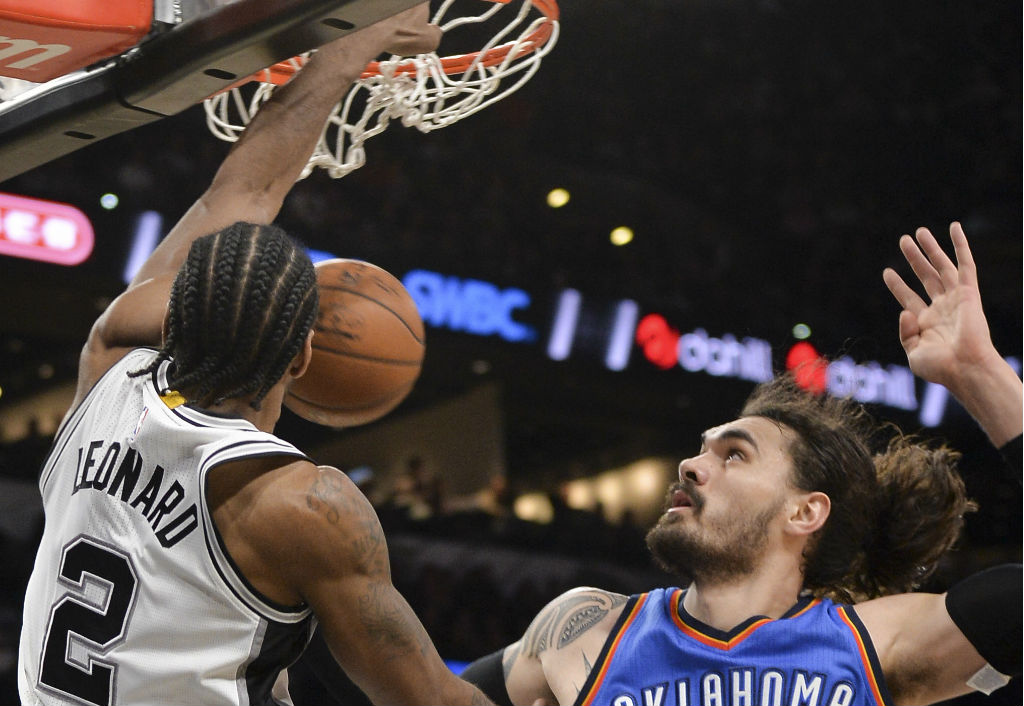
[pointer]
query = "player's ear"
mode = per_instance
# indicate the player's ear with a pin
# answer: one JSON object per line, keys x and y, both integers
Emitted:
{"x": 303, "y": 358}
{"x": 808, "y": 513}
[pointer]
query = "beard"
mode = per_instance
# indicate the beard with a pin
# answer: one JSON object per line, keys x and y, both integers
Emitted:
{"x": 710, "y": 552}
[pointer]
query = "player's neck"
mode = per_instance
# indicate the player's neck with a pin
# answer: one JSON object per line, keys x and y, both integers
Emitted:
{"x": 265, "y": 418}
{"x": 770, "y": 590}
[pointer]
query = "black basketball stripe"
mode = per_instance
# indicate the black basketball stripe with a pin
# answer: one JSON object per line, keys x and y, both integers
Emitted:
{"x": 335, "y": 288}
{"x": 361, "y": 356}
{"x": 353, "y": 408}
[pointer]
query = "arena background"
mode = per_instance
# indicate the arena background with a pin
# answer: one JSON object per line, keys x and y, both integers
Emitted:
{"x": 767, "y": 155}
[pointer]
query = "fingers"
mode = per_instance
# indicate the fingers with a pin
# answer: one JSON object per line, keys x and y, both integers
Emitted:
{"x": 415, "y": 40}
{"x": 933, "y": 267}
{"x": 938, "y": 258}
{"x": 965, "y": 260}
{"x": 412, "y": 33}
{"x": 921, "y": 265}
{"x": 907, "y": 297}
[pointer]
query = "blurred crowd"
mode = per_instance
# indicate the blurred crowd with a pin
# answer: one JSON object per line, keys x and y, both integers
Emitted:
{"x": 473, "y": 571}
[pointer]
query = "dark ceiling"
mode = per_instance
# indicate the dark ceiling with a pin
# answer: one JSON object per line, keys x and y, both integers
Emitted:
{"x": 767, "y": 154}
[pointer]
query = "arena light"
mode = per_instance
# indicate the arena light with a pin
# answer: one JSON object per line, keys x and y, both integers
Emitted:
{"x": 148, "y": 228}
{"x": 558, "y": 198}
{"x": 621, "y": 235}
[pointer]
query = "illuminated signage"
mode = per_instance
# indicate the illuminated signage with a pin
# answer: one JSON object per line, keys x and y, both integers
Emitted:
{"x": 611, "y": 331}
{"x": 868, "y": 382}
{"x": 44, "y": 230}
{"x": 749, "y": 359}
{"x": 469, "y": 305}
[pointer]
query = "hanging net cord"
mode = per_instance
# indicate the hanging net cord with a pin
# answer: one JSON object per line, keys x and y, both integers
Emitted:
{"x": 426, "y": 92}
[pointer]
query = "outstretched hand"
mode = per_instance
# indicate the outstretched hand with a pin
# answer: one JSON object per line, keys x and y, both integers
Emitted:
{"x": 950, "y": 332}
{"x": 411, "y": 32}
{"x": 406, "y": 34}
{"x": 948, "y": 340}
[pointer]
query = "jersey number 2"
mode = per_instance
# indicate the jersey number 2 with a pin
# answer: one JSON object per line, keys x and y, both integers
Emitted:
{"x": 88, "y": 621}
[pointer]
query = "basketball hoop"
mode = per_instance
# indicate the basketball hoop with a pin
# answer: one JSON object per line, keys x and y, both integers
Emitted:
{"x": 427, "y": 92}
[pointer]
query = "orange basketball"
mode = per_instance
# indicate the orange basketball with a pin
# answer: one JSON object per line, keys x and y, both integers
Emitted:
{"x": 367, "y": 347}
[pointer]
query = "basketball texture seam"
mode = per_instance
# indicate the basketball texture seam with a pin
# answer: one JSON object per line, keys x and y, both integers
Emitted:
{"x": 352, "y": 408}
{"x": 361, "y": 356}
{"x": 336, "y": 288}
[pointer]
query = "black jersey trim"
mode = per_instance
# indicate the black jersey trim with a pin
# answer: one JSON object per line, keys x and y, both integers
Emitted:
{"x": 280, "y": 646}
{"x": 726, "y": 637}
{"x": 222, "y": 550}
{"x": 286, "y": 449}
{"x": 621, "y": 625}
{"x": 869, "y": 648}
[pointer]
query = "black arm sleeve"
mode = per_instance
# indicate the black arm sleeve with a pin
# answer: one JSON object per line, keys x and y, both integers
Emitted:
{"x": 487, "y": 675}
{"x": 1013, "y": 455}
{"x": 987, "y": 609}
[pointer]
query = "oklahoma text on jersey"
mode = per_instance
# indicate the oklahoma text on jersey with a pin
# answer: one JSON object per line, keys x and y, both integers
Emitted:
{"x": 817, "y": 654}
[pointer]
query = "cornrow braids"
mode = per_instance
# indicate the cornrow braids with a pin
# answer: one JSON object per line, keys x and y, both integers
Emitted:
{"x": 240, "y": 309}
{"x": 895, "y": 512}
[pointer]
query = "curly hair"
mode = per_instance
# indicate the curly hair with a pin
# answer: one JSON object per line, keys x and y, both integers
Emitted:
{"x": 895, "y": 511}
{"x": 241, "y": 306}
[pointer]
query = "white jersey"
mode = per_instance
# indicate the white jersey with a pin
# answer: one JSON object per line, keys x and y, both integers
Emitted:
{"x": 133, "y": 598}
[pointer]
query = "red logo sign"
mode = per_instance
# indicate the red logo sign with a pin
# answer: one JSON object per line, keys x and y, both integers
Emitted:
{"x": 44, "y": 230}
{"x": 658, "y": 341}
{"x": 808, "y": 367}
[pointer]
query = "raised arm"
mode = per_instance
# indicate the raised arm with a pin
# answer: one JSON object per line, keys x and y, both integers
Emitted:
{"x": 253, "y": 180}
{"x": 948, "y": 341}
{"x": 933, "y": 647}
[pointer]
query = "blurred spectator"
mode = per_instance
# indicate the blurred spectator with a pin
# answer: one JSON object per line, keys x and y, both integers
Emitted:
{"x": 417, "y": 494}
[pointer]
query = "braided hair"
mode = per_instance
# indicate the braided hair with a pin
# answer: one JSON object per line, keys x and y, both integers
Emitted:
{"x": 897, "y": 503}
{"x": 241, "y": 306}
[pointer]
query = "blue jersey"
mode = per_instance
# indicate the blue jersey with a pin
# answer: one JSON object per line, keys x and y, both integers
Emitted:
{"x": 817, "y": 654}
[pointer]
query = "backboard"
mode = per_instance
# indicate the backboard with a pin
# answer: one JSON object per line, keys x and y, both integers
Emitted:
{"x": 192, "y": 50}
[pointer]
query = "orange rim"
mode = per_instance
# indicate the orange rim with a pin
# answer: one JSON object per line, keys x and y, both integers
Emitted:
{"x": 280, "y": 72}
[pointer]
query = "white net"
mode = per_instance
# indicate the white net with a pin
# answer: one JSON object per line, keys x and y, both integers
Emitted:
{"x": 427, "y": 92}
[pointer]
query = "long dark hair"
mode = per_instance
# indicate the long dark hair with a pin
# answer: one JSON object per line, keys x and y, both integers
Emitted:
{"x": 895, "y": 512}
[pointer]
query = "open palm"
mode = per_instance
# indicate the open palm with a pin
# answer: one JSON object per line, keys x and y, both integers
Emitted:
{"x": 950, "y": 332}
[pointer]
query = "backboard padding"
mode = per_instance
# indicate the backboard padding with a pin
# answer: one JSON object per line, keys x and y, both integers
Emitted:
{"x": 172, "y": 72}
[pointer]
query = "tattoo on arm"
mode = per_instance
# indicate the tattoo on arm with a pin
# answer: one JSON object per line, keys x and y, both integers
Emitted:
{"x": 587, "y": 669}
{"x": 330, "y": 496}
{"x": 562, "y": 621}
{"x": 325, "y": 495}
{"x": 391, "y": 626}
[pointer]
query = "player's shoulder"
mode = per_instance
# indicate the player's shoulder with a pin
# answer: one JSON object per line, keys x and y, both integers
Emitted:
{"x": 589, "y": 594}
{"x": 310, "y": 511}
{"x": 581, "y": 612}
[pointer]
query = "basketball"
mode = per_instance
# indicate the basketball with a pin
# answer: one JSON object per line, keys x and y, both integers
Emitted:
{"x": 368, "y": 344}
